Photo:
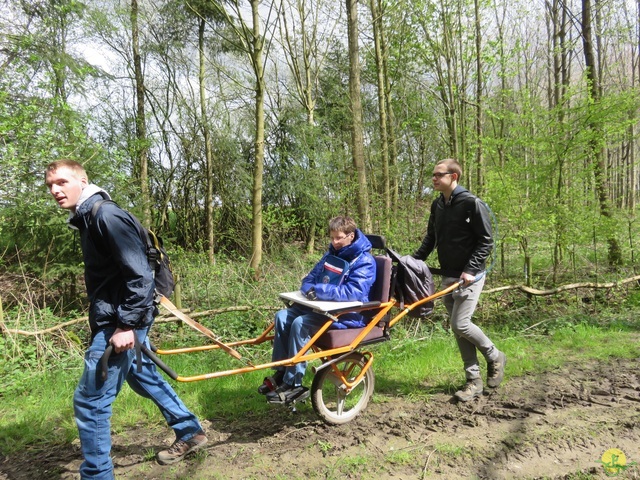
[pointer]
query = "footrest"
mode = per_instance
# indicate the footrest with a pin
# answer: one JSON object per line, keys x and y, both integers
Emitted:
{"x": 292, "y": 396}
{"x": 300, "y": 398}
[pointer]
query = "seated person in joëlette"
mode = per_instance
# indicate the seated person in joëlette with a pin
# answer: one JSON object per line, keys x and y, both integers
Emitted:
{"x": 345, "y": 273}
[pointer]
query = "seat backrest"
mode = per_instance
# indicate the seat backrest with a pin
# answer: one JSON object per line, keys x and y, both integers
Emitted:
{"x": 378, "y": 242}
{"x": 382, "y": 285}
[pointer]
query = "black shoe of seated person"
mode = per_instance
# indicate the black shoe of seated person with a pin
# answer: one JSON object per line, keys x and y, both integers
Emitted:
{"x": 285, "y": 393}
{"x": 271, "y": 383}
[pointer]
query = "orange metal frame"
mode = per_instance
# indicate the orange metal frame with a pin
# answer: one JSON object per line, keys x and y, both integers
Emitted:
{"x": 311, "y": 351}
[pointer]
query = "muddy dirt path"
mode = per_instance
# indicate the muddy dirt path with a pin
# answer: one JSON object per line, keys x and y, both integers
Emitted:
{"x": 555, "y": 425}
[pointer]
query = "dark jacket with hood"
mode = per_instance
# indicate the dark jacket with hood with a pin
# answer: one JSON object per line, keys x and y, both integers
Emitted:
{"x": 118, "y": 278}
{"x": 461, "y": 231}
{"x": 356, "y": 285}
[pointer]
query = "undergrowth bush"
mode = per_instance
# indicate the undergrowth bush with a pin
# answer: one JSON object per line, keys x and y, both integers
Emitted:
{"x": 230, "y": 283}
{"x": 25, "y": 353}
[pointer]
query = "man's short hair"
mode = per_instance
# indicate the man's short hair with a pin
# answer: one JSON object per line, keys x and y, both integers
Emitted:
{"x": 452, "y": 166}
{"x": 345, "y": 225}
{"x": 76, "y": 167}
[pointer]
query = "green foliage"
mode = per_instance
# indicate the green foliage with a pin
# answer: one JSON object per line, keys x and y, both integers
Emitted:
{"x": 632, "y": 300}
{"x": 23, "y": 359}
{"x": 34, "y": 132}
{"x": 582, "y": 325}
{"x": 537, "y": 169}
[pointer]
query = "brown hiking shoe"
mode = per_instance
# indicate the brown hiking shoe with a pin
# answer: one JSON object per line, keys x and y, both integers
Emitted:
{"x": 180, "y": 448}
{"x": 495, "y": 371}
{"x": 471, "y": 390}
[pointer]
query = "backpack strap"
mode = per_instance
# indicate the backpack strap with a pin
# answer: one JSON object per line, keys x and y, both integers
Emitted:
{"x": 94, "y": 211}
{"x": 152, "y": 251}
{"x": 98, "y": 204}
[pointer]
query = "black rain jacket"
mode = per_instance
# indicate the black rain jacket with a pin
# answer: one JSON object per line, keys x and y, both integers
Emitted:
{"x": 461, "y": 231}
{"x": 118, "y": 278}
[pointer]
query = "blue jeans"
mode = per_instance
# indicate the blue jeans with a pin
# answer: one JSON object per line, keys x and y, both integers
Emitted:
{"x": 93, "y": 398}
{"x": 460, "y": 305}
{"x": 294, "y": 327}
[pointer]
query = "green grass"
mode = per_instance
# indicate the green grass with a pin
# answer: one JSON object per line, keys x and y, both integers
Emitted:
{"x": 450, "y": 451}
{"x": 402, "y": 457}
{"x": 412, "y": 367}
{"x": 37, "y": 379}
{"x": 40, "y": 413}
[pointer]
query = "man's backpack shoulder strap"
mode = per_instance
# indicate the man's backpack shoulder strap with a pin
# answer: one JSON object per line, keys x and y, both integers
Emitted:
{"x": 98, "y": 204}
{"x": 94, "y": 211}
{"x": 143, "y": 232}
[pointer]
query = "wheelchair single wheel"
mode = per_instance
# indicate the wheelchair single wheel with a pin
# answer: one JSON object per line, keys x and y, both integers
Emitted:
{"x": 329, "y": 395}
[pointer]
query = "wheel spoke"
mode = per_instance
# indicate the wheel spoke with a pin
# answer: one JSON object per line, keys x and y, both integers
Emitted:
{"x": 340, "y": 404}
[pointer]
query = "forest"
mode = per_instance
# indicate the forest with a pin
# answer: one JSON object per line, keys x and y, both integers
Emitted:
{"x": 235, "y": 128}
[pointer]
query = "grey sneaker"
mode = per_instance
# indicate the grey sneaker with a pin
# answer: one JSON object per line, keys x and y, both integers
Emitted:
{"x": 471, "y": 390}
{"x": 180, "y": 448}
{"x": 495, "y": 371}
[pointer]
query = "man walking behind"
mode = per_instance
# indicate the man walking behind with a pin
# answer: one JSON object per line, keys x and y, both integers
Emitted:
{"x": 460, "y": 228}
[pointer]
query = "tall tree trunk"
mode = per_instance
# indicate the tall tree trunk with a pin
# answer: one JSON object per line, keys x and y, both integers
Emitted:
{"x": 310, "y": 103}
{"x": 448, "y": 89}
{"x": 615, "y": 254}
{"x": 207, "y": 144}
{"x": 393, "y": 148}
{"x": 461, "y": 89}
{"x": 357, "y": 136}
{"x": 500, "y": 123}
{"x": 256, "y": 198}
{"x": 60, "y": 27}
{"x": 253, "y": 43}
{"x": 633, "y": 168}
{"x": 376, "y": 14}
{"x": 391, "y": 132}
{"x": 558, "y": 79}
{"x": 479, "y": 112}
{"x": 142, "y": 147}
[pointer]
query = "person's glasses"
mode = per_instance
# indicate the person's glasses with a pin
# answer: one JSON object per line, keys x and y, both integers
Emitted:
{"x": 440, "y": 174}
{"x": 343, "y": 237}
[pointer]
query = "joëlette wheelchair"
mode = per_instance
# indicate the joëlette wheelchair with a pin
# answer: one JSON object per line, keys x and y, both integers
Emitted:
{"x": 344, "y": 381}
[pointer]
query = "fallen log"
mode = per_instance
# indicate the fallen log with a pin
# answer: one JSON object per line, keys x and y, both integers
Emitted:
{"x": 166, "y": 318}
{"x": 563, "y": 288}
{"x": 218, "y": 311}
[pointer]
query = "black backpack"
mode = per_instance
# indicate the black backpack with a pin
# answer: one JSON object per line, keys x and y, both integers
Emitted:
{"x": 156, "y": 254}
{"x": 413, "y": 282}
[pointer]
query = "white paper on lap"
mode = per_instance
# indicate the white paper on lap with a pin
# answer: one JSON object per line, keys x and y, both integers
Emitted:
{"x": 322, "y": 306}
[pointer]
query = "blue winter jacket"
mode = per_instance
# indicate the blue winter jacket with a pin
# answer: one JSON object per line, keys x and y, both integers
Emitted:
{"x": 117, "y": 275}
{"x": 356, "y": 285}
